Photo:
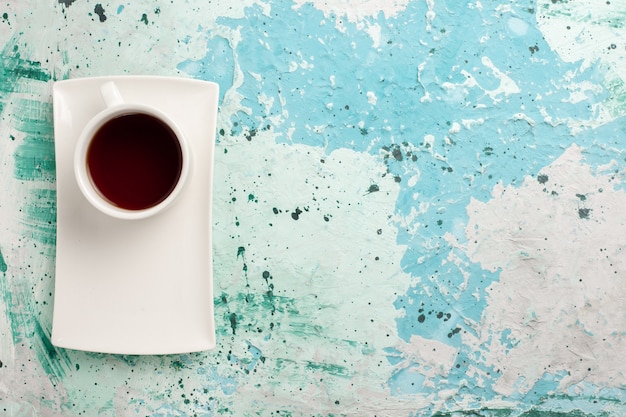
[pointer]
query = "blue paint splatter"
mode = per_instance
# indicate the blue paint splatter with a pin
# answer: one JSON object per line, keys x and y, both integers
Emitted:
{"x": 324, "y": 76}
{"x": 217, "y": 65}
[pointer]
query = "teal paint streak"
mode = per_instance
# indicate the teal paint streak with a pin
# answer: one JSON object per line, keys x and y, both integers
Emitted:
{"x": 6, "y": 297}
{"x": 27, "y": 328}
{"x": 329, "y": 368}
{"x": 14, "y": 68}
{"x": 3, "y": 265}
{"x": 34, "y": 157}
{"x": 55, "y": 361}
{"x": 34, "y": 161}
{"x": 40, "y": 219}
{"x": 31, "y": 117}
{"x": 34, "y": 117}
{"x": 232, "y": 317}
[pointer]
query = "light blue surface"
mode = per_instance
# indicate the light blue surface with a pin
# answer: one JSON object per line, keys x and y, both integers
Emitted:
{"x": 362, "y": 220}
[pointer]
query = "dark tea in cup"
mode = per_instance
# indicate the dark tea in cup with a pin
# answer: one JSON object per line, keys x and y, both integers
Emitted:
{"x": 134, "y": 161}
{"x": 131, "y": 159}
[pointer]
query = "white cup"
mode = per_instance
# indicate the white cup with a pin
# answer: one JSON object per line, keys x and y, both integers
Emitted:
{"x": 117, "y": 108}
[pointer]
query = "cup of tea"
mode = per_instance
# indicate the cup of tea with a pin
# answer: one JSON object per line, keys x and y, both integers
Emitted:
{"x": 131, "y": 160}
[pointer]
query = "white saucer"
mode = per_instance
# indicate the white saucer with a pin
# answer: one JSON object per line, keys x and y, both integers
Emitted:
{"x": 135, "y": 286}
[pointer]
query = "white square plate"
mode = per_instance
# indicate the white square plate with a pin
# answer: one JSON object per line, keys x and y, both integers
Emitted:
{"x": 135, "y": 286}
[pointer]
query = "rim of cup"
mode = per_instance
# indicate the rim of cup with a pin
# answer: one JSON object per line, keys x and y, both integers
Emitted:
{"x": 86, "y": 184}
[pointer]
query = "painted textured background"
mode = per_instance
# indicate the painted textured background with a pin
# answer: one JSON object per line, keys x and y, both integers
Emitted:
{"x": 419, "y": 206}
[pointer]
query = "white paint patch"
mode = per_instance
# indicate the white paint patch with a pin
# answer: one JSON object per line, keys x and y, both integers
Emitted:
{"x": 591, "y": 33}
{"x": 579, "y": 31}
{"x": 357, "y": 10}
{"x": 12, "y": 10}
{"x": 455, "y": 128}
{"x": 456, "y": 92}
{"x": 375, "y": 32}
{"x": 431, "y": 358}
{"x": 470, "y": 123}
{"x": 430, "y": 14}
{"x": 371, "y": 98}
{"x": 558, "y": 307}
{"x": 507, "y": 85}
{"x": 524, "y": 117}
{"x": 517, "y": 26}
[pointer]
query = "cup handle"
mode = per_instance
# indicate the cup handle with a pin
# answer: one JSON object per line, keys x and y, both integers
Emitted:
{"x": 110, "y": 94}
